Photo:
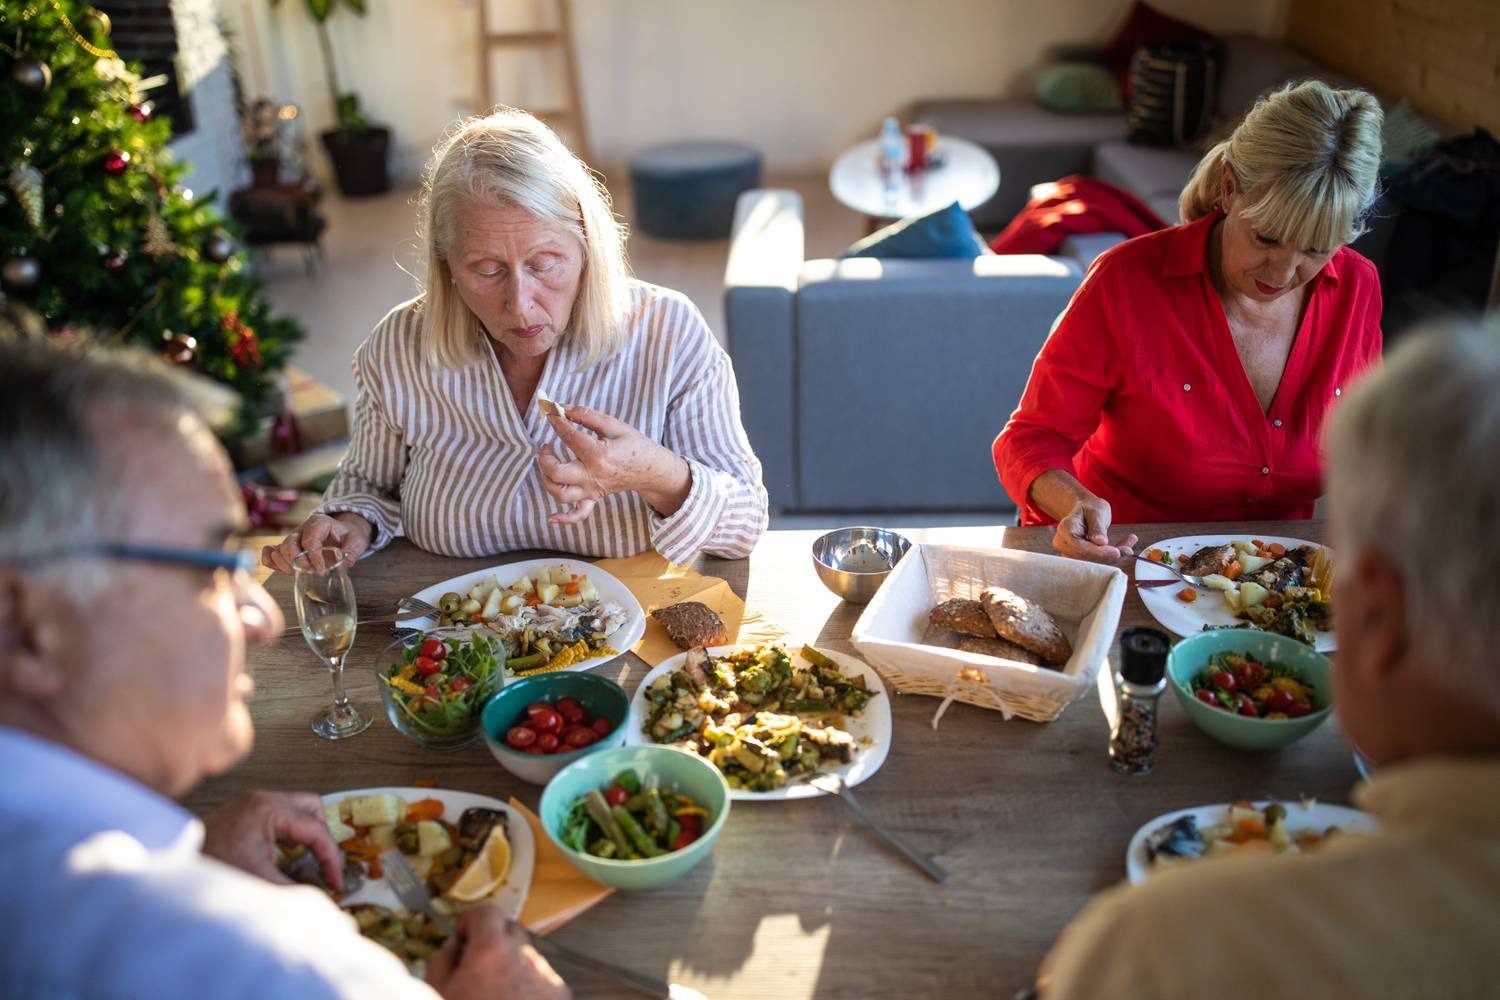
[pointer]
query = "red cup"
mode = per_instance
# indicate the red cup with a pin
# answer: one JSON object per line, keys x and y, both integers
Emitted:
{"x": 919, "y": 144}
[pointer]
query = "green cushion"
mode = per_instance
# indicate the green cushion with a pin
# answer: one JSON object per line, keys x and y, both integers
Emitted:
{"x": 1077, "y": 88}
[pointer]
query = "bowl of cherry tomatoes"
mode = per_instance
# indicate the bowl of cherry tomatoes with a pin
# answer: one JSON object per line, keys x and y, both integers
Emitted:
{"x": 536, "y": 726}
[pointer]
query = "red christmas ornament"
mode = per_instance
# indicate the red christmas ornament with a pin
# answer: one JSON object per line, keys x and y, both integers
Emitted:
{"x": 243, "y": 345}
{"x": 265, "y": 506}
{"x": 116, "y": 162}
{"x": 141, "y": 112}
{"x": 181, "y": 349}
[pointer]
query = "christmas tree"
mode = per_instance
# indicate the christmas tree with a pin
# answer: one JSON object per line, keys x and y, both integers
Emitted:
{"x": 96, "y": 232}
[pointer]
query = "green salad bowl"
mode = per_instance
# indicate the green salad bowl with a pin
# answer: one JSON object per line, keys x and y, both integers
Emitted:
{"x": 1191, "y": 655}
{"x": 676, "y": 769}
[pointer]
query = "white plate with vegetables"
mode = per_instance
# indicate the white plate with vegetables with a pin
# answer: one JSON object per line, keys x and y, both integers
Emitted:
{"x": 813, "y": 732}
{"x": 544, "y": 606}
{"x": 1207, "y": 831}
{"x": 370, "y": 821}
{"x": 1217, "y": 607}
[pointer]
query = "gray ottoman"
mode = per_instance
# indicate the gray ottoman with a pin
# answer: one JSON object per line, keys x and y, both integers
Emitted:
{"x": 687, "y": 190}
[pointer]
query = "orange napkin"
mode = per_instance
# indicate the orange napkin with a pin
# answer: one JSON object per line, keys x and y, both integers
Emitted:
{"x": 559, "y": 892}
{"x": 655, "y": 582}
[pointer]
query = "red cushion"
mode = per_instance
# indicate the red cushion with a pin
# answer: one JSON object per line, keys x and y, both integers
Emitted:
{"x": 1145, "y": 26}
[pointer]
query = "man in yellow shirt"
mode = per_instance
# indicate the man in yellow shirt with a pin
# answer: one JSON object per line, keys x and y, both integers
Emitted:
{"x": 1414, "y": 486}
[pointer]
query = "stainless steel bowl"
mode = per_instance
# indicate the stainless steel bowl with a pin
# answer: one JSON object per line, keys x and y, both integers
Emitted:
{"x": 854, "y": 562}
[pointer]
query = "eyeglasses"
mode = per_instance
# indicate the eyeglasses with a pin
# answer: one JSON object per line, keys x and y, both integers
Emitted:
{"x": 242, "y": 561}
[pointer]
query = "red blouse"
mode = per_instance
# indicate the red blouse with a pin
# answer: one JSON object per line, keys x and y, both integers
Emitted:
{"x": 1140, "y": 394}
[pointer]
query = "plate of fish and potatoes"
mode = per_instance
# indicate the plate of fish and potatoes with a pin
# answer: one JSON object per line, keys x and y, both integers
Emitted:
{"x": 1271, "y": 583}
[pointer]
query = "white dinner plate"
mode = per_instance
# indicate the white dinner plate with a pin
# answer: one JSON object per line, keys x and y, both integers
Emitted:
{"x": 611, "y": 591}
{"x": 1316, "y": 816}
{"x": 1209, "y": 609}
{"x": 512, "y": 892}
{"x": 871, "y": 729}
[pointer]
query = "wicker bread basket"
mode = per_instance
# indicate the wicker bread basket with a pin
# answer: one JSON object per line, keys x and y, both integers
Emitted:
{"x": 1085, "y": 598}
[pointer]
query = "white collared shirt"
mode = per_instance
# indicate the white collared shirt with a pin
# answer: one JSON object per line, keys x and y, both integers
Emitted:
{"x": 107, "y": 894}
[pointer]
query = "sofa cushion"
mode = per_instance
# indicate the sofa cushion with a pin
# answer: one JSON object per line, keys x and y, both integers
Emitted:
{"x": 1076, "y": 88}
{"x": 1146, "y": 172}
{"x": 946, "y": 233}
{"x": 1145, "y": 25}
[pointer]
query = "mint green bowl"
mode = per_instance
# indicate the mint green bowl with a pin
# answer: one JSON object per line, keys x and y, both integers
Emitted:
{"x": 1192, "y": 654}
{"x": 677, "y": 769}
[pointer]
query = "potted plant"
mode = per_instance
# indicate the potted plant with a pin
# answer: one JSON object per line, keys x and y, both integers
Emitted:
{"x": 358, "y": 149}
{"x": 261, "y": 127}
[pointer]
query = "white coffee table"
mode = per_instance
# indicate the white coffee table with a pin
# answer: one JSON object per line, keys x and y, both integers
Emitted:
{"x": 968, "y": 175}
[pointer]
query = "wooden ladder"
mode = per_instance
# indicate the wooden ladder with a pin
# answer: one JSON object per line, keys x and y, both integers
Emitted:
{"x": 568, "y": 120}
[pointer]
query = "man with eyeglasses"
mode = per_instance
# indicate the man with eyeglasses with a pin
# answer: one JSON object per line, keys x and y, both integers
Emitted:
{"x": 124, "y": 622}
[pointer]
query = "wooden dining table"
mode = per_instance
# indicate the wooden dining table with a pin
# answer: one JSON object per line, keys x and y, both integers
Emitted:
{"x": 798, "y": 899}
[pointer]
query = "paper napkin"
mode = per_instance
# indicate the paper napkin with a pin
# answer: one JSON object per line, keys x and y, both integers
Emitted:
{"x": 559, "y": 892}
{"x": 656, "y": 583}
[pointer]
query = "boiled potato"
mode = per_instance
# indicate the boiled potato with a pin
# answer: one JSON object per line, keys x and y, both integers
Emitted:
{"x": 481, "y": 591}
{"x": 492, "y": 603}
{"x": 1214, "y": 581}
{"x": 548, "y": 593}
{"x": 432, "y": 838}
{"x": 1253, "y": 594}
{"x": 384, "y": 836}
{"x": 523, "y": 586}
{"x": 512, "y": 603}
{"x": 337, "y": 828}
{"x": 1243, "y": 548}
{"x": 586, "y": 589}
{"x": 1250, "y": 562}
{"x": 374, "y": 810}
{"x": 470, "y": 608}
{"x": 569, "y": 600}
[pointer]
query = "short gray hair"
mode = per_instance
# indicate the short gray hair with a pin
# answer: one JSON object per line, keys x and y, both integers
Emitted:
{"x": 511, "y": 157}
{"x": 58, "y": 398}
{"x": 1414, "y": 472}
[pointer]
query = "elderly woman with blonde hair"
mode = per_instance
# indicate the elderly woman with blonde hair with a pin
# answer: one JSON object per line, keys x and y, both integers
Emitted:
{"x": 1190, "y": 376}
{"x": 529, "y": 299}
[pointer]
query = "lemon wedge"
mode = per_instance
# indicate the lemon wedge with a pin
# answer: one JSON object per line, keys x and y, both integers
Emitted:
{"x": 486, "y": 871}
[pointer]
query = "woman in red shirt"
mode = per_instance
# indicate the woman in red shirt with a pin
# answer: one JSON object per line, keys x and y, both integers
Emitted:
{"x": 1189, "y": 377}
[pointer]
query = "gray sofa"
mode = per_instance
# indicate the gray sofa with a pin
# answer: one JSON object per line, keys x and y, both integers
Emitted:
{"x": 879, "y": 384}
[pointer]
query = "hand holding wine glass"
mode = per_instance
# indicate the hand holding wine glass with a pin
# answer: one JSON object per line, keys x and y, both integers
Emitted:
{"x": 327, "y": 612}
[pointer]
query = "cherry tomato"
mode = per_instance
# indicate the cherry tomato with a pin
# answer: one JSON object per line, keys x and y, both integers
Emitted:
{"x": 570, "y": 709}
{"x": 427, "y": 666}
{"x": 690, "y": 823}
{"x": 1297, "y": 710}
{"x": 1206, "y": 696}
{"x": 434, "y": 649}
{"x": 615, "y": 795}
{"x": 683, "y": 839}
{"x": 548, "y": 742}
{"x": 462, "y": 683}
{"x": 1247, "y": 707}
{"x": 544, "y": 718}
{"x": 580, "y": 737}
{"x": 520, "y": 737}
{"x": 1222, "y": 679}
{"x": 534, "y": 749}
{"x": 602, "y": 726}
{"x": 1280, "y": 701}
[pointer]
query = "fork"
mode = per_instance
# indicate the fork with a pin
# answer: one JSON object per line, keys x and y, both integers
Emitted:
{"x": 1188, "y": 578}
{"x": 835, "y": 785}
{"x": 412, "y": 892}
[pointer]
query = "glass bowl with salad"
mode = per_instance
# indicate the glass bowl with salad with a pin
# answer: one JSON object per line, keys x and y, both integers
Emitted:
{"x": 435, "y": 684}
{"x": 635, "y": 817}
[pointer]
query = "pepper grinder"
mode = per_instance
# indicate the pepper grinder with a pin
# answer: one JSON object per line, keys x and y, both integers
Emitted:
{"x": 1139, "y": 683}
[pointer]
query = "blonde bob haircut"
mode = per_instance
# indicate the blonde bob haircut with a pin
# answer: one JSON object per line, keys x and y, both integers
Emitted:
{"x": 1306, "y": 158}
{"x": 508, "y": 157}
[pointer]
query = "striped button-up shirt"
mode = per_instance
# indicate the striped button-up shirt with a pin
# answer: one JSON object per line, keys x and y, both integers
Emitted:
{"x": 445, "y": 455}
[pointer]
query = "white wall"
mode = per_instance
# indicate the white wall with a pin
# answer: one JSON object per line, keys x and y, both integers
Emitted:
{"x": 798, "y": 79}
{"x": 212, "y": 150}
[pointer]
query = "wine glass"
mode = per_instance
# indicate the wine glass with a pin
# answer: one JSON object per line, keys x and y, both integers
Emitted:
{"x": 327, "y": 613}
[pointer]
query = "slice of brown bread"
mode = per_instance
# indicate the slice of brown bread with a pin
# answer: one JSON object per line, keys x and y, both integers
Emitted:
{"x": 691, "y": 624}
{"x": 964, "y": 616}
{"x": 1003, "y": 648}
{"x": 946, "y": 638}
{"x": 1025, "y": 623}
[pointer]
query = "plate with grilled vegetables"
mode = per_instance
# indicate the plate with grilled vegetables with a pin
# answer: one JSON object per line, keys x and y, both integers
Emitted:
{"x": 1281, "y": 585}
{"x": 469, "y": 850}
{"x": 551, "y": 614}
{"x": 768, "y": 717}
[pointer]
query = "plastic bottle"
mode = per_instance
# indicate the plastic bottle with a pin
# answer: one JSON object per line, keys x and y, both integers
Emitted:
{"x": 1139, "y": 683}
{"x": 892, "y": 147}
